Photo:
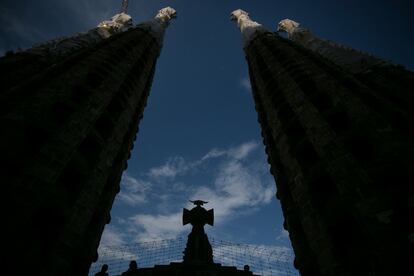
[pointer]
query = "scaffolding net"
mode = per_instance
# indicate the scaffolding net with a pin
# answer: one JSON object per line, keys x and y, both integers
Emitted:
{"x": 262, "y": 259}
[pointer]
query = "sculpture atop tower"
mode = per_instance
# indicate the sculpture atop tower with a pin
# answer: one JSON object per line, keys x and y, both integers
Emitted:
{"x": 124, "y": 8}
{"x": 160, "y": 22}
{"x": 248, "y": 27}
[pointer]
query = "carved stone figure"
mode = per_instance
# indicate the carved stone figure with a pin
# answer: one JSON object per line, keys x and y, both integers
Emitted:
{"x": 247, "y": 27}
{"x": 118, "y": 23}
{"x": 160, "y": 22}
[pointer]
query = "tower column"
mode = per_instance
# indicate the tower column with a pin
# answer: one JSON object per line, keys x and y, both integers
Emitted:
{"x": 70, "y": 133}
{"x": 331, "y": 151}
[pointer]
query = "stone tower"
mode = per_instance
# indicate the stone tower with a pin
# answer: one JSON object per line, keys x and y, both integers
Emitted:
{"x": 342, "y": 154}
{"x": 70, "y": 124}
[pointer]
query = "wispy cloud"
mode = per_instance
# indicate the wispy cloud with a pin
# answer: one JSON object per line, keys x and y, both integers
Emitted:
{"x": 284, "y": 235}
{"x": 176, "y": 166}
{"x": 237, "y": 153}
{"x": 236, "y": 186}
{"x": 133, "y": 191}
{"x": 155, "y": 227}
{"x": 112, "y": 237}
{"x": 245, "y": 83}
{"x": 173, "y": 167}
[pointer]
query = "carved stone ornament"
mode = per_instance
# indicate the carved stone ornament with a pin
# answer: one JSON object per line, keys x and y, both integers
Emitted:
{"x": 160, "y": 22}
{"x": 248, "y": 27}
{"x": 287, "y": 25}
{"x": 118, "y": 23}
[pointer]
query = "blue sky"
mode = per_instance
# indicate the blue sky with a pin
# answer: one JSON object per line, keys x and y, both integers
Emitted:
{"x": 199, "y": 137}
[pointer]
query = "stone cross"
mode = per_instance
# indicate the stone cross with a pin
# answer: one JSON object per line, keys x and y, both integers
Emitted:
{"x": 198, "y": 216}
{"x": 198, "y": 249}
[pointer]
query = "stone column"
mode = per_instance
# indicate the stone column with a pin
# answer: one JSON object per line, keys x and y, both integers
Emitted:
{"x": 68, "y": 135}
{"x": 340, "y": 165}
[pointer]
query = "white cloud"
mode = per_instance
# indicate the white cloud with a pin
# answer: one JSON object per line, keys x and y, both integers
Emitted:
{"x": 156, "y": 227}
{"x": 243, "y": 150}
{"x": 284, "y": 235}
{"x": 174, "y": 166}
{"x": 214, "y": 153}
{"x": 111, "y": 237}
{"x": 245, "y": 83}
{"x": 177, "y": 166}
{"x": 236, "y": 187}
{"x": 133, "y": 191}
{"x": 238, "y": 153}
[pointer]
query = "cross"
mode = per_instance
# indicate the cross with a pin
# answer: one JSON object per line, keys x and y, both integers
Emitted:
{"x": 124, "y": 6}
{"x": 198, "y": 216}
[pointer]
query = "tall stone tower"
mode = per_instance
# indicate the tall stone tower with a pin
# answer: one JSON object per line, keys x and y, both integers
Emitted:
{"x": 342, "y": 154}
{"x": 68, "y": 128}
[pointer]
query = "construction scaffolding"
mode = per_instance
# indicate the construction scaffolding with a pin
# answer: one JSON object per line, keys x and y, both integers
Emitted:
{"x": 263, "y": 260}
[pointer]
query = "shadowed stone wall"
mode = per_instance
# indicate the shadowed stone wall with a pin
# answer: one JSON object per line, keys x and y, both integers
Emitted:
{"x": 342, "y": 155}
{"x": 68, "y": 133}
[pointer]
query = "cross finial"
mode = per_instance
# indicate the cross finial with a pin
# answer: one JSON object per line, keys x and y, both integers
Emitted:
{"x": 124, "y": 6}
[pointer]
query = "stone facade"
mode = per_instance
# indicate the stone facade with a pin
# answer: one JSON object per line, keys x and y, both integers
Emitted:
{"x": 342, "y": 155}
{"x": 69, "y": 132}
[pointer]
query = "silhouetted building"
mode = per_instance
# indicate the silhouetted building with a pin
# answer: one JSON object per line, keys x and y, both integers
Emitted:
{"x": 69, "y": 126}
{"x": 198, "y": 255}
{"x": 340, "y": 144}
